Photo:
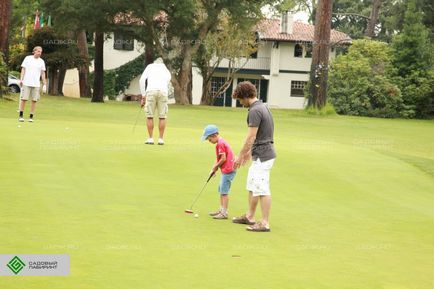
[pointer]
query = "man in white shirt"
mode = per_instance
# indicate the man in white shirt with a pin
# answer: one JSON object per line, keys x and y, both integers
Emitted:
{"x": 154, "y": 85}
{"x": 32, "y": 69}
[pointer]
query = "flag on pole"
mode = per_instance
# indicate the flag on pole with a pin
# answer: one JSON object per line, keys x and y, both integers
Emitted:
{"x": 49, "y": 20}
{"x": 37, "y": 24}
{"x": 41, "y": 21}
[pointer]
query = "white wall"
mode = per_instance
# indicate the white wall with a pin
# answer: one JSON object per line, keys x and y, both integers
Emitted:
{"x": 112, "y": 59}
{"x": 134, "y": 87}
{"x": 289, "y": 62}
{"x": 279, "y": 91}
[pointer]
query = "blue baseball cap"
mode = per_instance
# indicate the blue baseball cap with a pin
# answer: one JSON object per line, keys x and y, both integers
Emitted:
{"x": 209, "y": 130}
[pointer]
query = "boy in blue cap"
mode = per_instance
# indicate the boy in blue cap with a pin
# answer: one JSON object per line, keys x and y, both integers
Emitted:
{"x": 225, "y": 161}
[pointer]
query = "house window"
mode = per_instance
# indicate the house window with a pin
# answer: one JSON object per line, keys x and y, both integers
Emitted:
{"x": 297, "y": 88}
{"x": 261, "y": 88}
{"x": 308, "y": 48}
{"x": 123, "y": 41}
{"x": 255, "y": 82}
{"x": 224, "y": 98}
{"x": 216, "y": 84}
{"x": 298, "y": 50}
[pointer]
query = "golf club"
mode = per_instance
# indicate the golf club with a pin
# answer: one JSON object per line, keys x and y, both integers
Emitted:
{"x": 190, "y": 211}
{"x": 137, "y": 119}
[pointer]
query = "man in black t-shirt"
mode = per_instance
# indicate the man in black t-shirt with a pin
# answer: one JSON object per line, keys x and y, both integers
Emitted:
{"x": 259, "y": 146}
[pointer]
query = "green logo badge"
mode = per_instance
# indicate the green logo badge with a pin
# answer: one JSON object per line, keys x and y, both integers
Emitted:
{"x": 16, "y": 265}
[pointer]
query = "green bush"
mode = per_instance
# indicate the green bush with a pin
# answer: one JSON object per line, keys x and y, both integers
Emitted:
{"x": 359, "y": 82}
{"x": 117, "y": 80}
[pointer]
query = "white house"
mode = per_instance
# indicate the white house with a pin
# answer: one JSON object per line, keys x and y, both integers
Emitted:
{"x": 118, "y": 49}
{"x": 280, "y": 68}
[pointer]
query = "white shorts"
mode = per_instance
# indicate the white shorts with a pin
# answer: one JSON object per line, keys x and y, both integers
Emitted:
{"x": 258, "y": 179}
{"x": 30, "y": 92}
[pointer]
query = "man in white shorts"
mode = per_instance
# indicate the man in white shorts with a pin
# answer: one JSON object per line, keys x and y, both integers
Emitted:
{"x": 154, "y": 86}
{"x": 259, "y": 146}
{"x": 32, "y": 69}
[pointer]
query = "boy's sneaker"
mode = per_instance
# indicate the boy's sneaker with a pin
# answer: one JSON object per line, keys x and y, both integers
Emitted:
{"x": 149, "y": 141}
{"x": 30, "y": 119}
{"x": 160, "y": 141}
{"x": 220, "y": 216}
{"x": 21, "y": 119}
{"x": 212, "y": 214}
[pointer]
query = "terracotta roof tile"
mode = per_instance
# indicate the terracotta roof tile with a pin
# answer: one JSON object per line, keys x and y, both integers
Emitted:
{"x": 269, "y": 29}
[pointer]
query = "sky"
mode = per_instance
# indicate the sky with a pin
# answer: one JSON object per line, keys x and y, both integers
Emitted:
{"x": 298, "y": 16}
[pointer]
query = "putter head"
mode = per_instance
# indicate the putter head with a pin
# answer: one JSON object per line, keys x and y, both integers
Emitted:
{"x": 188, "y": 211}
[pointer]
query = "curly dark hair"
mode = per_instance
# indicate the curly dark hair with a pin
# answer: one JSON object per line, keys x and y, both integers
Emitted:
{"x": 244, "y": 89}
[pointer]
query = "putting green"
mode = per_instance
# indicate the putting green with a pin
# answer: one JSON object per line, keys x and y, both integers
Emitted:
{"x": 353, "y": 201}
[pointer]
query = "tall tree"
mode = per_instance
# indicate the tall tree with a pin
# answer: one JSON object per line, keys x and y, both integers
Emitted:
{"x": 98, "y": 82}
{"x": 83, "y": 70}
{"x": 320, "y": 55}
{"x": 413, "y": 60}
{"x": 373, "y": 19}
{"x": 178, "y": 28}
{"x": 5, "y": 15}
{"x": 231, "y": 42}
{"x": 58, "y": 54}
{"x": 351, "y": 17}
{"x": 94, "y": 16}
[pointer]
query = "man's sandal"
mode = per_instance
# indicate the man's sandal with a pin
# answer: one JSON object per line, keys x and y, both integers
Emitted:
{"x": 242, "y": 220}
{"x": 258, "y": 227}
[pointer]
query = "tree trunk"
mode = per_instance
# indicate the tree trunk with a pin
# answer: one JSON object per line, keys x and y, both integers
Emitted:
{"x": 61, "y": 80}
{"x": 5, "y": 15}
{"x": 83, "y": 70}
{"x": 98, "y": 83}
{"x": 206, "y": 98}
{"x": 181, "y": 88}
{"x": 320, "y": 55}
{"x": 53, "y": 76}
{"x": 149, "y": 53}
{"x": 373, "y": 19}
{"x": 182, "y": 83}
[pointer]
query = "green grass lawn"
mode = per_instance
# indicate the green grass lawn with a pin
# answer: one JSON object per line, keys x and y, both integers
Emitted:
{"x": 353, "y": 201}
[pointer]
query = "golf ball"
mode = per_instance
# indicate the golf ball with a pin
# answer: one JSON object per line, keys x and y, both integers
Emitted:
{"x": 196, "y": 215}
{"x": 19, "y": 125}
